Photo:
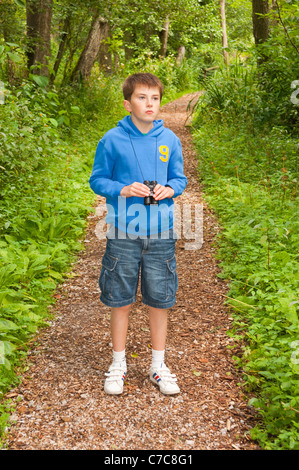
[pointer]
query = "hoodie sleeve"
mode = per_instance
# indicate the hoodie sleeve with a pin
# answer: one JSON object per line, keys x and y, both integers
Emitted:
{"x": 176, "y": 178}
{"x": 101, "y": 179}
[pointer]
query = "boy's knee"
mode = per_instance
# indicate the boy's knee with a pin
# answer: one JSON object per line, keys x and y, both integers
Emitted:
{"x": 124, "y": 309}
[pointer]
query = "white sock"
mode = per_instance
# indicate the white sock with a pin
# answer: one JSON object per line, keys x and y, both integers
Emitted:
{"x": 120, "y": 357}
{"x": 157, "y": 358}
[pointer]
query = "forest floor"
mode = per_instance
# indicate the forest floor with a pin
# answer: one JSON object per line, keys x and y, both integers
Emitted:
{"x": 60, "y": 403}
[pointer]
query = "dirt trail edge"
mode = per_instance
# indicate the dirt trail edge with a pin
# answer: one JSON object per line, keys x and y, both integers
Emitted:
{"x": 61, "y": 403}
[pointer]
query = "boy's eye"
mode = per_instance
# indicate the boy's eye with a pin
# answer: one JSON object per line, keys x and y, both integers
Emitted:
{"x": 155, "y": 98}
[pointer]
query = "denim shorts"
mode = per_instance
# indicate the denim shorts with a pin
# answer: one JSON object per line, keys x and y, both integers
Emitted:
{"x": 126, "y": 260}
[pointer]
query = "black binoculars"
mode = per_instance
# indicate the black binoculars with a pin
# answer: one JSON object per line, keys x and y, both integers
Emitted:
{"x": 150, "y": 199}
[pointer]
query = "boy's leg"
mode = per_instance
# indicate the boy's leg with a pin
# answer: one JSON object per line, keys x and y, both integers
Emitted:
{"x": 118, "y": 283}
{"x": 158, "y": 287}
{"x": 159, "y": 373}
{"x": 158, "y": 327}
{"x": 119, "y": 326}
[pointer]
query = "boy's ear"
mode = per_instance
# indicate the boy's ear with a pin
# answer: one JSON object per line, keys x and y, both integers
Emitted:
{"x": 127, "y": 106}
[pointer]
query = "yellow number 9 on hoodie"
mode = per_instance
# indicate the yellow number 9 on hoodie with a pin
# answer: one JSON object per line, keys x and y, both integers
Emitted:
{"x": 164, "y": 150}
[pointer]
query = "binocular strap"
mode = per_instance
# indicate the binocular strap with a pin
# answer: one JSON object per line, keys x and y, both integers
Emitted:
{"x": 143, "y": 179}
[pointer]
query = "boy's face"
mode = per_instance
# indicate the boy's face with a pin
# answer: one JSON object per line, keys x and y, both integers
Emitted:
{"x": 144, "y": 106}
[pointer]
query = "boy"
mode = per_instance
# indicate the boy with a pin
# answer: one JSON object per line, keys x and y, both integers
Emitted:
{"x": 141, "y": 233}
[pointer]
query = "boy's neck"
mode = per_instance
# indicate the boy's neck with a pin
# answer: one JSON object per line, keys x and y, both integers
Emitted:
{"x": 143, "y": 127}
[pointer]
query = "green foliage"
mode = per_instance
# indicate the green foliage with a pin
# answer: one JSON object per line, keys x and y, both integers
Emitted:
{"x": 262, "y": 95}
{"x": 45, "y": 197}
{"x": 237, "y": 93}
{"x": 233, "y": 93}
{"x": 245, "y": 130}
{"x": 250, "y": 180}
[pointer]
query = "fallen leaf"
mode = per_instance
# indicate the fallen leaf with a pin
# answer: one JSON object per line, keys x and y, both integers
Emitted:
{"x": 22, "y": 409}
{"x": 197, "y": 374}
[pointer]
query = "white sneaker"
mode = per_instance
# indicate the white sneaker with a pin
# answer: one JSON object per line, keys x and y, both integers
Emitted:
{"x": 166, "y": 381}
{"x": 114, "y": 384}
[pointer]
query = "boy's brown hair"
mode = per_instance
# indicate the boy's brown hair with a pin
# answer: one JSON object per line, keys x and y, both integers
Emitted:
{"x": 147, "y": 79}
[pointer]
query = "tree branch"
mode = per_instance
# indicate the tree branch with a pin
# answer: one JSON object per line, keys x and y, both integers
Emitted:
{"x": 284, "y": 27}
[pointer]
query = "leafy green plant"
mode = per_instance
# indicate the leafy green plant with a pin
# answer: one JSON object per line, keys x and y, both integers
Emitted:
{"x": 250, "y": 181}
{"x": 233, "y": 93}
{"x": 45, "y": 198}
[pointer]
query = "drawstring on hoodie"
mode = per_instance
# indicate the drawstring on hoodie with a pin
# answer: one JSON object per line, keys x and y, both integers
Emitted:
{"x": 156, "y": 159}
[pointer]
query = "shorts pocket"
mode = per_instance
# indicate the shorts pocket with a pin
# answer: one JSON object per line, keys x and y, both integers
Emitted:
{"x": 107, "y": 275}
{"x": 171, "y": 278}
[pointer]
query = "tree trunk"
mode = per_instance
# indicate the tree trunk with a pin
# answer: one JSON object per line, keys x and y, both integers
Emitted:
{"x": 104, "y": 56}
{"x": 39, "y": 17}
{"x": 10, "y": 64}
{"x": 128, "y": 42}
{"x": 65, "y": 32}
{"x": 181, "y": 55}
{"x": 164, "y": 38}
{"x": 260, "y": 22}
{"x": 91, "y": 49}
{"x": 261, "y": 25}
{"x": 224, "y": 33}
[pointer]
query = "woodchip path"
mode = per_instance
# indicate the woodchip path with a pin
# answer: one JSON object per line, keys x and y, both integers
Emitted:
{"x": 61, "y": 403}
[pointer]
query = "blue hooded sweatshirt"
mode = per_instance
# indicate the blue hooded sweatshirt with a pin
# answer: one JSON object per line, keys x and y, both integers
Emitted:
{"x": 123, "y": 156}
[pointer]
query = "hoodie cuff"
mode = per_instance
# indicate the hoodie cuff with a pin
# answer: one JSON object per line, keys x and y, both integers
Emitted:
{"x": 119, "y": 188}
{"x": 172, "y": 186}
{"x": 169, "y": 186}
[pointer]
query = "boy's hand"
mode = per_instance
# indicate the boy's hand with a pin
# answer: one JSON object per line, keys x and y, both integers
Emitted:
{"x": 135, "y": 189}
{"x": 162, "y": 192}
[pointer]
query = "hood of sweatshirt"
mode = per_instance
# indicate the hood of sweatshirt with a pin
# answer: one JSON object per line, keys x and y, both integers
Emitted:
{"x": 128, "y": 127}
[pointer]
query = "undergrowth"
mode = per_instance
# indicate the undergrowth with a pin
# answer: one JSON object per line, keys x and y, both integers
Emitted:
{"x": 47, "y": 144}
{"x": 250, "y": 180}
